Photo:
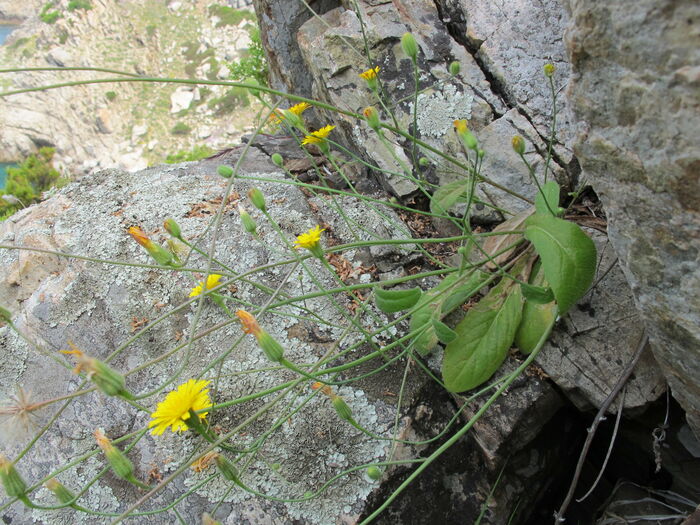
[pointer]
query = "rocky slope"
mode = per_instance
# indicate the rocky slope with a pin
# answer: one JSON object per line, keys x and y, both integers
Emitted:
{"x": 122, "y": 125}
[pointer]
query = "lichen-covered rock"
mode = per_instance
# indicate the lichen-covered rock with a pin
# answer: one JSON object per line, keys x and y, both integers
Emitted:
{"x": 636, "y": 92}
{"x": 99, "y": 306}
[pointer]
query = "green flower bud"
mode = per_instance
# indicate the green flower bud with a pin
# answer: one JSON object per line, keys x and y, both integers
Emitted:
{"x": 277, "y": 159}
{"x": 273, "y": 350}
{"x": 108, "y": 380}
{"x": 518, "y": 144}
{"x": 15, "y": 487}
{"x": 63, "y": 495}
{"x": 172, "y": 228}
{"x": 225, "y": 171}
{"x": 372, "y": 118}
{"x": 454, "y": 68}
{"x": 549, "y": 70}
{"x": 247, "y": 221}
{"x": 228, "y": 470}
{"x": 409, "y": 46}
{"x": 374, "y": 473}
{"x": 258, "y": 199}
{"x": 480, "y": 153}
{"x": 342, "y": 408}
{"x": 423, "y": 162}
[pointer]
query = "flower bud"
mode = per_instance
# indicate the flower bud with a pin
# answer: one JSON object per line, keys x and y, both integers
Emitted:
{"x": 247, "y": 221}
{"x": 518, "y": 144}
{"x": 423, "y": 162}
{"x": 454, "y": 68}
{"x": 342, "y": 408}
{"x": 277, "y": 159}
{"x": 63, "y": 495}
{"x": 15, "y": 487}
{"x": 121, "y": 465}
{"x": 468, "y": 139}
{"x": 258, "y": 199}
{"x": 372, "y": 117}
{"x": 293, "y": 119}
{"x": 409, "y": 46}
{"x": 374, "y": 473}
{"x": 172, "y": 228}
{"x": 228, "y": 470}
{"x": 104, "y": 377}
{"x": 225, "y": 171}
{"x": 549, "y": 70}
{"x": 273, "y": 350}
{"x": 160, "y": 254}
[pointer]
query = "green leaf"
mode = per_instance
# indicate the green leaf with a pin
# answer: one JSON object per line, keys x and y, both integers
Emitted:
{"x": 497, "y": 243}
{"x": 453, "y": 291}
{"x": 444, "y": 333}
{"x": 537, "y": 294}
{"x": 550, "y": 192}
{"x": 390, "y": 301}
{"x": 448, "y": 195}
{"x": 537, "y": 317}
{"x": 568, "y": 257}
{"x": 483, "y": 338}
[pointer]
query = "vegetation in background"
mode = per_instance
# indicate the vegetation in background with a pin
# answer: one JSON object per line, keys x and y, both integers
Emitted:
{"x": 28, "y": 181}
{"x": 196, "y": 153}
{"x": 253, "y": 63}
{"x": 228, "y": 16}
{"x": 79, "y": 4}
{"x": 233, "y": 99}
{"x": 181, "y": 129}
{"x": 111, "y": 95}
{"x": 48, "y": 14}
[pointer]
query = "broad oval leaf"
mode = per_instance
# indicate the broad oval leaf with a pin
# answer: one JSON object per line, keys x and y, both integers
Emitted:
{"x": 453, "y": 291}
{"x": 483, "y": 338}
{"x": 568, "y": 257}
{"x": 537, "y": 317}
{"x": 447, "y": 195}
{"x": 391, "y": 301}
{"x": 548, "y": 195}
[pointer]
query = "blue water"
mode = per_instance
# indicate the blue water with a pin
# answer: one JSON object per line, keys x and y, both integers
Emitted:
{"x": 4, "y": 31}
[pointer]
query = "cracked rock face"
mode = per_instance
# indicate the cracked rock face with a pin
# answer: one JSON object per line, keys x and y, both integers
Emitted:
{"x": 636, "y": 93}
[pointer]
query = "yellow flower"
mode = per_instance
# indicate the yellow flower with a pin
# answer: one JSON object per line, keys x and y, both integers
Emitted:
{"x": 311, "y": 240}
{"x": 317, "y": 137}
{"x": 212, "y": 281}
{"x": 175, "y": 408}
{"x": 297, "y": 109}
{"x": 370, "y": 74}
{"x": 460, "y": 126}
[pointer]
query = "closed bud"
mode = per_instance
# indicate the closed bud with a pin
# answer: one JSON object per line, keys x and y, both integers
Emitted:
{"x": 15, "y": 487}
{"x": 155, "y": 250}
{"x": 549, "y": 70}
{"x": 374, "y": 473}
{"x": 247, "y": 221}
{"x": 121, "y": 465}
{"x": 454, "y": 68}
{"x": 63, "y": 495}
{"x": 342, "y": 408}
{"x": 372, "y": 117}
{"x": 480, "y": 153}
{"x": 258, "y": 199}
{"x": 409, "y": 46}
{"x": 228, "y": 470}
{"x": 518, "y": 144}
{"x": 172, "y": 228}
{"x": 423, "y": 162}
{"x": 277, "y": 159}
{"x": 225, "y": 171}
{"x": 273, "y": 350}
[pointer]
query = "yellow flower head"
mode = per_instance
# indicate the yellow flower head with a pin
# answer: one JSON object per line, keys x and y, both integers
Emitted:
{"x": 212, "y": 282}
{"x": 309, "y": 240}
{"x": 297, "y": 109}
{"x": 317, "y": 137}
{"x": 174, "y": 410}
{"x": 370, "y": 74}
